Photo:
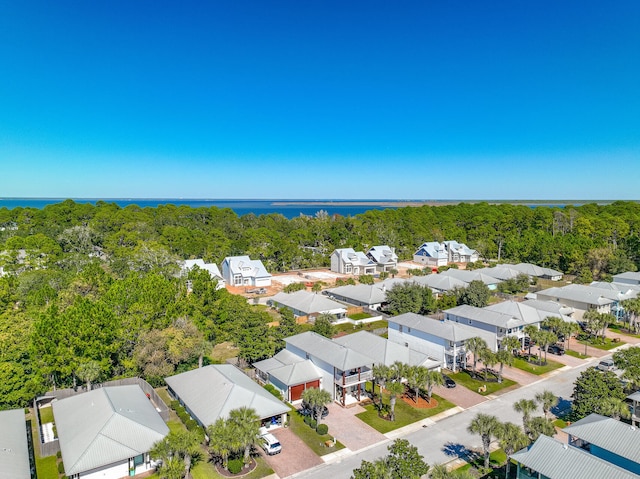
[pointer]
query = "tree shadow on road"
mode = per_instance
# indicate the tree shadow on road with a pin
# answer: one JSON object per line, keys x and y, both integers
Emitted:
{"x": 457, "y": 450}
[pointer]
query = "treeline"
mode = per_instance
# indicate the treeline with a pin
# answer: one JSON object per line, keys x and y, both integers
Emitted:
{"x": 92, "y": 292}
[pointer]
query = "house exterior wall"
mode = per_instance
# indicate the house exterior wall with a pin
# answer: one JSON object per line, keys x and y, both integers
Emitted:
{"x": 336, "y": 263}
{"x": 262, "y": 282}
{"x": 281, "y": 386}
{"x": 579, "y": 306}
{"x": 620, "y": 461}
{"x": 327, "y": 381}
{"x": 419, "y": 341}
{"x": 115, "y": 471}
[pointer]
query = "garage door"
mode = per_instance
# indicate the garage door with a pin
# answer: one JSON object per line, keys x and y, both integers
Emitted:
{"x": 296, "y": 391}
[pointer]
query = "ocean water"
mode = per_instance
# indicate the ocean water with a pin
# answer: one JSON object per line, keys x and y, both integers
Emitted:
{"x": 240, "y": 207}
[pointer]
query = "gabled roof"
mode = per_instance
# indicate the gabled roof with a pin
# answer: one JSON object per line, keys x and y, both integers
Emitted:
{"x": 634, "y": 396}
{"x": 553, "y": 307}
{"x": 440, "y": 282}
{"x": 486, "y": 316}
{"x": 521, "y": 310}
{"x": 383, "y": 351}
{"x": 330, "y": 352}
{"x": 366, "y": 293}
{"x": 212, "y": 391}
{"x": 622, "y": 287}
{"x": 307, "y": 302}
{"x": 449, "y": 330}
{"x": 468, "y": 276}
{"x": 502, "y": 272}
{"x": 611, "y": 435}
{"x": 582, "y": 294}
{"x": 534, "y": 270}
{"x": 557, "y": 460}
{"x": 459, "y": 248}
{"x": 106, "y": 426}
{"x": 212, "y": 268}
{"x": 14, "y": 448}
{"x": 432, "y": 249}
{"x": 629, "y": 275}
{"x": 290, "y": 369}
{"x": 382, "y": 254}
{"x": 246, "y": 267}
{"x": 356, "y": 258}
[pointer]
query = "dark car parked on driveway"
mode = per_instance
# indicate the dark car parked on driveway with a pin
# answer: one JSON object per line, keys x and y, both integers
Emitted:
{"x": 557, "y": 350}
{"x": 305, "y": 410}
{"x": 448, "y": 382}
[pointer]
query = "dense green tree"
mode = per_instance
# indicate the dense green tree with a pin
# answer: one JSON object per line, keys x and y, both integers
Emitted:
{"x": 591, "y": 389}
{"x": 323, "y": 325}
{"x": 629, "y": 361}
{"x": 476, "y": 294}
{"x": 402, "y": 462}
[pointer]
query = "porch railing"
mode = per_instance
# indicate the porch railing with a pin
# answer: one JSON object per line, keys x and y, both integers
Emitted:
{"x": 354, "y": 378}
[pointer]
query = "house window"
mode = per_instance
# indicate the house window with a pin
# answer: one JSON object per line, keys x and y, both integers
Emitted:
{"x": 406, "y": 345}
{"x": 408, "y": 330}
{"x": 470, "y": 322}
{"x": 400, "y": 328}
{"x": 347, "y": 268}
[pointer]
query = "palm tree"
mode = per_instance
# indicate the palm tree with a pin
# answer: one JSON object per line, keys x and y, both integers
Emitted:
{"x": 89, "y": 371}
{"x": 247, "y": 426}
{"x": 416, "y": 378}
{"x": 434, "y": 378}
{"x": 176, "y": 451}
{"x": 475, "y": 345}
{"x": 316, "y": 398}
{"x": 547, "y": 400}
{"x": 532, "y": 332}
{"x": 172, "y": 468}
{"x": 395, "y": 388}
{"x": 381, "y": 372}
{"x": 186, "y": 444}
{"x": 503, "y": 356}
{"x": 489, "y": 360}
{"x": 487, "y": 427}
{"x": 536, "y": 426}
{"x": 511, "y": 439}
{"x": 222, "y": 440}
{"x": 525, "y": 407}
{"x": 545, "y": 339}
{"x": 615, "y": 408}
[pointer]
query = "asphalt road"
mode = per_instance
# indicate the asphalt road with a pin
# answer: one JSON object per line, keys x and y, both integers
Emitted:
{"x": 445, "y": 440}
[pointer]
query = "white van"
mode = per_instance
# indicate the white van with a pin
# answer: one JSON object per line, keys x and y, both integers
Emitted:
{"x": 606, "y": 365}
{"x": 269, "y": 442}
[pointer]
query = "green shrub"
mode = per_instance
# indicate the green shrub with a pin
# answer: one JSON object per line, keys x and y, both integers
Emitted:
{"x": 175, "y": 405}
{"x": 191, "y": 424}
{"x": 61, "y": 467}
{"x": 322, "y": 429}
{"x": 235, "y": 466}
{"x": 307, "y": 420}
{"x": 59, "y": 454}
{"x": 313, "y": 424}
{"x": 273, "y": 390}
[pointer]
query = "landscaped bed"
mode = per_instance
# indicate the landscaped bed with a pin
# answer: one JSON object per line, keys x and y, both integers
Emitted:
{"x": 479, "y": 385}
{"x": 531, "y": 365}
{"x": 575, "y": 354}
{"x": 311, "y": 438}
{"x": 605, "y": 345}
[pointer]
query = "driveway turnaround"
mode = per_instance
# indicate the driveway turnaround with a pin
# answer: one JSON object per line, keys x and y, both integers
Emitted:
{"x": 348, "y": 429}
{"x": 294, "y": 457}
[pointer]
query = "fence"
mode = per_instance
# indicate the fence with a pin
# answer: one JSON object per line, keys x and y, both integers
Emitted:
{"x": 51, "y": 447}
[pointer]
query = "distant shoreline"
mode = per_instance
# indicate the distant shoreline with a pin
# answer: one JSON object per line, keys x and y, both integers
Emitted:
{"x": 401, "y": 203}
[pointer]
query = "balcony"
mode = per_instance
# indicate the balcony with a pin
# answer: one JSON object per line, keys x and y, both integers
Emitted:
{"x": 356, "y": 378}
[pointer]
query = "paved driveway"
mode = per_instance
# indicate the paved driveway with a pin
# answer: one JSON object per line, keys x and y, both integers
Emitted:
{"x": 460, "y": 396}
{"x": 348, "y": 429}
{"x": 294, "y": 457}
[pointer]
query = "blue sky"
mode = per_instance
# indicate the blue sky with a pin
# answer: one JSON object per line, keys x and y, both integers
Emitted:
{"x": 320, "y": 99}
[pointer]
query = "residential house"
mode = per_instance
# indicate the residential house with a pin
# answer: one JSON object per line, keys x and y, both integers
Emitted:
{"x": 311, "y": 305}
{"x": 585, "y": 298}
{"x": 468, "y": 276}
{"x": 634, "y": 400}
{"x": 502, "y": 272}
{"x": 608, "y": 439}
{"x": 548, "y": 458}
{"x": 439, "y": 283}
{"x": 14, "y": 447}
{"x": 108, "y": 432}
{"x": 344, "y": 371}
{"x": 290, "y": 373}
{"x": 442, "y": 340}
{"x": 348, "y": 261}
{"x": 553, "y": 307}
{"x": 630, "y": 277}
{"x": 385, "y": 257}
{"x": 210, "y": 392}
{"x": 436, "y": 254}
{"x": 460, "y": 252}
{"x": 533, "y": 270}
{"x": 243, "y": 271}
{"x": 212, "y": 268}
{"x": 372, "y": 296}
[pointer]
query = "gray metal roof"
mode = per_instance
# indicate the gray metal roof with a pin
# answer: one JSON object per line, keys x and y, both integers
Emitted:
{"x": 212, "y": 391}
{"x": 503, "y": 272}
{"x": 289, "y": 368}
{"x": 212, "y": 268}
{"x": 356, "y": 258}
{"x": 534, "y": 270}
{"x": 557, "y": 460}
{"x": 634, "y": 396}
{"x": 608, "y": 434}
{"x": 307, "y": 302}
{"x": 330, "y": 352}
{"x": 554, "y": 307}
{"x": 365, "y": 293}
{"x": 629, "y": 275}
{"x": 432, "y": 249}
{"x": 468, "y": 276}
{"x": 440, "y": 282}
{"x": 106, "y": 426}
{"x": 14, "y": 449}
{"x": 383, "y": 351}
{"x": 579, "y": 293}
{"x": 486, "y": 316}
{"x": 246, "y": 267}
{"x": 449, "y": 330}
{"x": 521, "y": 310}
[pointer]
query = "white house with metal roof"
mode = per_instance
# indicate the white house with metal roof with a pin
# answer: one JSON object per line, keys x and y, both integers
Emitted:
{"x": 244, "y": 271}
{"x": 210, "y": 392}
{"x": 611, "y": 440}
{"x": 108, "y": 432}
{"x": 370, "y": 296}
{"x": 439, "y": 283}
{"x": 536, "y": 271}
{"x": 290, "y": 373}
{"x": 344, "y": 371}
{"x": 384, "y": 256}
{"x": 551, "y": 459}
{"x": 212, "y": 268}
{"x": 439, "y": 254}
{"x": 305, "y": 303}
{"x": 630, "y": 277}
{"x": 14, "y": 448}
{"x": 349, "y": 261}
{"x": 469, "y": 276}
{"x": 442, "y": 340}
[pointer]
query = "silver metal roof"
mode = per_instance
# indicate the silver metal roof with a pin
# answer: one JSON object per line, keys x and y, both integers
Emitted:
{"x": 14, "y": 450}
{"x": 486, "y": 316}
{"x": 212, "y": 391}
{"x": 579, "y": 293}
{"x": 608, "y": 434}
{"x": 366, "y": 293}
{"x": 556, "y": 460}
{"x": 330, "y": 352}
{"x": 521, "y": 310}
{"x": 449, "y": 330}
{"x": 246, "y": 267}
{"x": 307, "y": 302}
{"x": 440, "y": 282}
{"x": 382, "y": 254}
{"x": 289, "y": 368}
{"x": 468, "y": 276}
{"x": 106, "y": 426}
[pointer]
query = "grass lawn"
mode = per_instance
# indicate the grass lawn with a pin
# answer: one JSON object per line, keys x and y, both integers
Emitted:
{"x": 46, "y": 414}
{"x": 353, "y": 328}
{"x": 405, "y": 414}
{"x": 576, "y": 354}
{"x": 359, "y": 316}
{"x": 310, "y": 437}
{"x": 497, "y": 460}
{"x": 622, "y": 330}
{"x": 46, "y": 467}
{"x": 561, "y": 423}
{"x": 599, "y": 344}
{"x": 533, "y": 367}
{"x": 464, "y": 378}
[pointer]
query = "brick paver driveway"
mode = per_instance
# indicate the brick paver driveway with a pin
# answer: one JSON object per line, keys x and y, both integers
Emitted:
{"x": 460, "y": 396}
{"x": 348, "y": 429}
{"x": 295, "y": 456}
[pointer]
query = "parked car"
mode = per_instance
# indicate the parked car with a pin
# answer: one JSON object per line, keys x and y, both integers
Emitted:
{"x": 306, "y": 410}
{"x": 448, "y": 382}
{"x": 606, "y": 365}
{"x": 269, "y": 442}
{"x": 556, "y": 349}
